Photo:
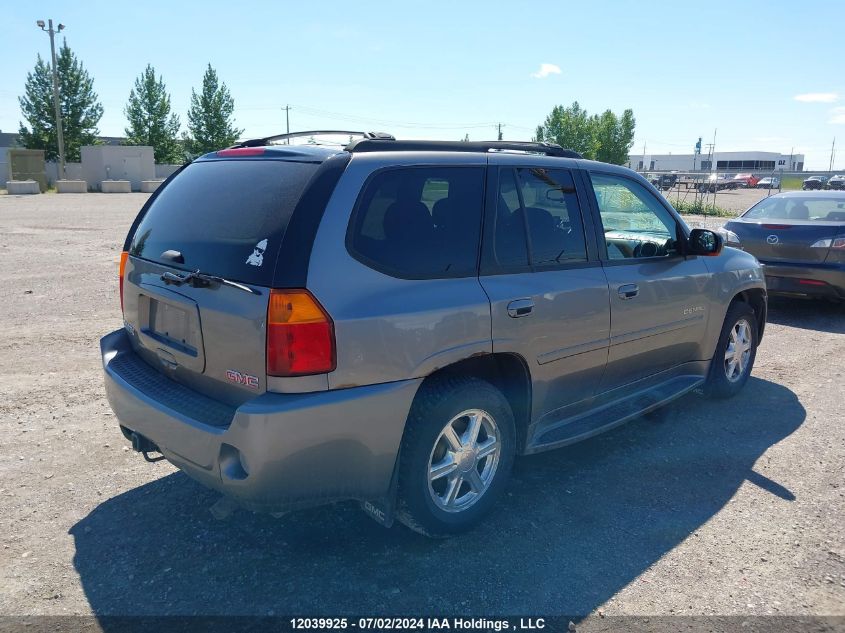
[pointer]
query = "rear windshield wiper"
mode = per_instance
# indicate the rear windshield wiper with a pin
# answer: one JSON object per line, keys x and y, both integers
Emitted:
{"x": 201, "y": 280}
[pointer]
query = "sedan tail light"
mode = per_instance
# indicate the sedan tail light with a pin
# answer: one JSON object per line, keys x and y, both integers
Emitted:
{"x": 830, "y": 242}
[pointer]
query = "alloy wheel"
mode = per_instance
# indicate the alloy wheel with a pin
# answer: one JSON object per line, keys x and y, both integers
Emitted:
{"x": 738, "y": 351}
{"x": 463, "y": 461}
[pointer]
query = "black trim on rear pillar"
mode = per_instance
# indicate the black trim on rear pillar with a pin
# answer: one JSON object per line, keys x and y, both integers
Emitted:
{"x": 292, "y": 264}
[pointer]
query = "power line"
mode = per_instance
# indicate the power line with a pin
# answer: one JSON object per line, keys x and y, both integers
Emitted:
{"x": 359, "y": 119}
{"x": 287, "y": 121}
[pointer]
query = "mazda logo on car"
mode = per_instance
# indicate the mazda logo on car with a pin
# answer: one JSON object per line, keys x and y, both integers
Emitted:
{"x": 772, "y": 239}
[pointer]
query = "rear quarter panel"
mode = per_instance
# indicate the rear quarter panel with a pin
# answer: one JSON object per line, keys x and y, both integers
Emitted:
{"x": 389, "y": 329}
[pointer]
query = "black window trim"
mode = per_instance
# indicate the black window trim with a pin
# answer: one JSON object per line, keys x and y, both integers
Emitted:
{"x": 356, "y": 210}
{"x": 490, "y": 266}
{"x": 681, "y": 230}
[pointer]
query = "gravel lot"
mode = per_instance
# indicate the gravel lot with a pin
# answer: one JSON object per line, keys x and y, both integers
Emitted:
{"x": 719, "y": 508}
{"x": 731, "y": 199}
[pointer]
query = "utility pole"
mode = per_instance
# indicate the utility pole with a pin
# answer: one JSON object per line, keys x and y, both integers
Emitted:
{"x": 287, "y": 122}
{"x": 500, "y": 131}
{"x": 832, "y": 153}
{"x": 59, "y": 136}
{"x": 644, "y": 165}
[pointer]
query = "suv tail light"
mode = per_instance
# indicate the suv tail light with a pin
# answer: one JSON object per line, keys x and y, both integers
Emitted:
{"x": 300, "y": 335}
{"x": 121, "y": 270}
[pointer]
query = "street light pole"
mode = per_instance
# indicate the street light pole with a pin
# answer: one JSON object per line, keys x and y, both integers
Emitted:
{"x": 56, "y": 105}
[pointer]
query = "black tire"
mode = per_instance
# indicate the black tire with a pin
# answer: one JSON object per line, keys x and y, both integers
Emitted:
{"x": 434, "y": 407}
{"x": 718, "y": 384}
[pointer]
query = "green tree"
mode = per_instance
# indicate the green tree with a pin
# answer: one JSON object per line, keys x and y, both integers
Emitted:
{"x": 605, "y": 137}
{"x": 150, "y": 119}
{"x": 80, "y": 109}
{"x": 568, "y": 127}
{"x": 210, "y": 122}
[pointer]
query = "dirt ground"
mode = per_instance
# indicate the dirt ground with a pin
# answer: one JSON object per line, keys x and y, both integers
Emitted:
{"x": 733, "y": 507}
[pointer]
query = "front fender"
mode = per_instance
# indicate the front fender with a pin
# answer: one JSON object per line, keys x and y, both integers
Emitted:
{"x": 732, "y": 272}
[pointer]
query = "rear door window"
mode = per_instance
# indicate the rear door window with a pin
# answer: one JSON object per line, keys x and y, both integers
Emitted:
{"x": 420, "y": 222}
{"x": 545, "y": 201}
{"x": 225, "y": 217}
{"x": 555, "y": 229}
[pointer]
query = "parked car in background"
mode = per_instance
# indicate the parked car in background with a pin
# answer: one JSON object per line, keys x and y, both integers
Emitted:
{"x": 814, "y": 182}
{"x": 667, "y": 181}
{"x": 800, "y": 240}
{"x": 836, "y": 182}
{"x": 653, "y": 179}
{"x": 769, "y": 182}
{"x": 717, "y": 182}
{"x": 746, "y": 180}
{"x": 411, "y": 381}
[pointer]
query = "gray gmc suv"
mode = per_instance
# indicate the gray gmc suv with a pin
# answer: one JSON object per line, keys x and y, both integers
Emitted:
{"x": 394, "y": 321}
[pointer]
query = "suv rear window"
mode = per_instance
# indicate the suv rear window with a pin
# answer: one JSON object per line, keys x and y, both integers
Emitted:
{"x": 225, "y": 217}
{"x": 420, "y": 222}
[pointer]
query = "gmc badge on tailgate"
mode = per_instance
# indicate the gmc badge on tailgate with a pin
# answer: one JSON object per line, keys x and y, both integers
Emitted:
{"x": 242, "y": 379}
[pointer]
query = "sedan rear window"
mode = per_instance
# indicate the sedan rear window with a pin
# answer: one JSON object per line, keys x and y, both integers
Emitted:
{"x": 821, "y": 209}
{"x": 225, "y": 217}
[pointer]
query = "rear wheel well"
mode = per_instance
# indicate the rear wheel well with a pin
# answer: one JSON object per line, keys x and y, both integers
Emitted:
{"x": 756, "y": 298}
{"x": 508, "y": 373}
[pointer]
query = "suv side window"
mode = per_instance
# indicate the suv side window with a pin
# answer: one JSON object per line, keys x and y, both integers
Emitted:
{"x": 545, "y": 200}
{"x": 419, "y": 222}
{"x": 635, "y": 224}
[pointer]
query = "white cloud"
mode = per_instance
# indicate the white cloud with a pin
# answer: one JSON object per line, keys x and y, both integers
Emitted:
{"x": 817, "y": 97}
{"x": 837, "y": 116}
{"x": 546, "y": 70}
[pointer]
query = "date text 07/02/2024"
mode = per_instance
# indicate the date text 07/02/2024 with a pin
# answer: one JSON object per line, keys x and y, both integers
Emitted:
{"x": 466, "y": 624}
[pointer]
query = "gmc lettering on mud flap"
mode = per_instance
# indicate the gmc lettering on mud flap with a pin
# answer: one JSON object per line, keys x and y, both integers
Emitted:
{"x": 242, "y": 379}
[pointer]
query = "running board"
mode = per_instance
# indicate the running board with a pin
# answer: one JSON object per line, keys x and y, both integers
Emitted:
{"x": 584, "y": 425}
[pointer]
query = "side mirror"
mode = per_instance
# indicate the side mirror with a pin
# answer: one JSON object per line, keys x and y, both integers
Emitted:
{"x": 704, "y": 242}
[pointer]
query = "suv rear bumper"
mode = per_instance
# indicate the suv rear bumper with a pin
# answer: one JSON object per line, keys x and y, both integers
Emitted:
{"x": 278, "y": 451}
{"x": 815, "y": 280}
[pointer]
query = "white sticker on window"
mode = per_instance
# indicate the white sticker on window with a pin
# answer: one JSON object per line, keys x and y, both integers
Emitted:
{"x": 257, "y": 257}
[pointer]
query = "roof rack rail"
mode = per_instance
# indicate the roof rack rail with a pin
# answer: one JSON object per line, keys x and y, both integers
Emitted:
{"x": 385, "y": 145}
{"x": 258, "y": 142}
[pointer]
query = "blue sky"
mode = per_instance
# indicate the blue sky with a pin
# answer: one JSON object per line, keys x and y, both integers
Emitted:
{"x": 444, "y": 69}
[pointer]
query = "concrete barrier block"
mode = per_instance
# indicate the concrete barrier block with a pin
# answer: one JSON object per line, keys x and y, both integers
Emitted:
{"x": 71, "y": 186}
{"x": 148, "y": 186}
{"x": 18, "y": 187}
{"x": 116, "y": 186}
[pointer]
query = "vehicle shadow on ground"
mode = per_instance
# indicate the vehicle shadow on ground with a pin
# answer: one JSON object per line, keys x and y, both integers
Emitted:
{"x": 807, "y": 314}
{"x": 576, "y": 526}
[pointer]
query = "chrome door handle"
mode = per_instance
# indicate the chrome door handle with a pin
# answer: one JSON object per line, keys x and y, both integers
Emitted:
{"x": 628, "y": 291}
{"x": 520, "y": 308}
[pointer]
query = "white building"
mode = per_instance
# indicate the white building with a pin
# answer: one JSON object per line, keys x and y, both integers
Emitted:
{"x": 761, "y": 162}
